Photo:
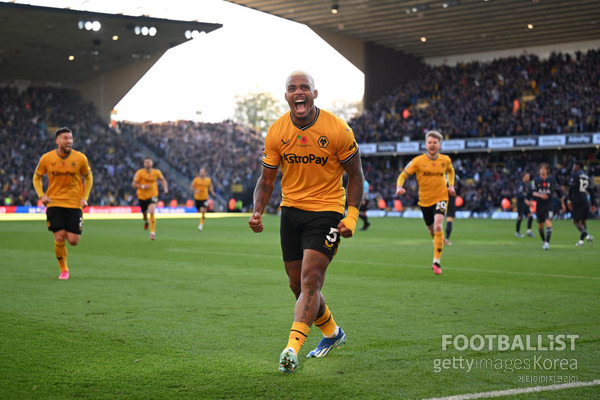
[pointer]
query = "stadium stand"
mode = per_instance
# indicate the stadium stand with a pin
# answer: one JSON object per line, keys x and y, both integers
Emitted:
{"x": 507, "y": 97}
{"x": 28, "y": 120}
{"x": 557, "y": 95}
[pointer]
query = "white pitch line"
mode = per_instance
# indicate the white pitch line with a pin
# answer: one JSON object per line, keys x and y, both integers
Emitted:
{"x": 512, "y": 392}
{"x": 493, "y": 271}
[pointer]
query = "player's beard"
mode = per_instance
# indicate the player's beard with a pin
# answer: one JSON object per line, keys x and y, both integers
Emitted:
{"x": 65, "y": 149}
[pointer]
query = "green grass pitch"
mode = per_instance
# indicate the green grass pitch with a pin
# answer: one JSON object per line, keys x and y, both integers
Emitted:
{"x": 205, "y": 314}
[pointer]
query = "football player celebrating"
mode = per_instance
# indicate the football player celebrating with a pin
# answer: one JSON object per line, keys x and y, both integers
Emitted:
{"x": 201, "y": 186}
{"x": 313, "y": 147}
{"x": 65, "y": 196}
{"x": 435, "y": 177}
{"x": 145, "y": 181}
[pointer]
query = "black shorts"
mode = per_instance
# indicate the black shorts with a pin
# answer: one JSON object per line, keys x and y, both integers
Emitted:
{"x": 68, "y": 219}
{"x": 437, "y": 208}
{"x": 145, "y": 203}
{"x": 451, "y": 211}
{"x": 315, "y": 230}
{"x": 543, "y": 212}
{"x": 522, "y": 208}
{"x": 201, "y": 204}
{"x": 580, "y": 211}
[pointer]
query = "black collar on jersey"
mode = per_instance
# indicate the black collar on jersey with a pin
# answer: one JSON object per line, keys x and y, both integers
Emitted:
{"x": 303, "y": 128}
{"x": 65, "y": 157}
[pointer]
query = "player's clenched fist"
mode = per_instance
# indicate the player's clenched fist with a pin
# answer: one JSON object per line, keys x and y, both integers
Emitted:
{"x": 255, "y": 222}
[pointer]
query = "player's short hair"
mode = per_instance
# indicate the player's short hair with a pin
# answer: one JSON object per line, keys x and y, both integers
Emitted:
{"x": 62, "y": 130}
{"x": 434, "y": 134}
{"x": 308, "y": 76}
{"x": 545, "y": 165}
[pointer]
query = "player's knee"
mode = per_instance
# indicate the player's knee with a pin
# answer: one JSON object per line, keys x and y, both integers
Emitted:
{"x": 73, "y": 241}
{"x": 312, "y": 280}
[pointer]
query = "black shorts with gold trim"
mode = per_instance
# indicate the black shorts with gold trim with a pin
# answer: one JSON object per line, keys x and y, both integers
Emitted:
{"x": 62, "y": 218}
{"x": 430, "y": 211}
{"x": 316, "y": 230}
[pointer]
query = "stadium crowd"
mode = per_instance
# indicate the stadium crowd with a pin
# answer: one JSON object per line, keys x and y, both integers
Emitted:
{"x": 28, "y": 119}
{"x": 512, "y": 96}
{"x": 507, "y": 97}
{"x": 484, "y": 179}
{"x": 230, "y": 152}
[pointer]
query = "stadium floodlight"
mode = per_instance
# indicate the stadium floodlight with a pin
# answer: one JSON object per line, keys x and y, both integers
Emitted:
{"x": 137, "y": 30}
{"x": 188, "y": 34}
{"x": 96, "y": 25}
{"x": 152, "y": 31}
{"x": 335, "y": 8}
{"x": 144, "y": 31}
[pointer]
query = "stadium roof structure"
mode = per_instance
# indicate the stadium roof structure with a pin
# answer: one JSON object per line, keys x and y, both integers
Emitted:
{"x": 37, "y": 42}
{"x": 438, "y": 28}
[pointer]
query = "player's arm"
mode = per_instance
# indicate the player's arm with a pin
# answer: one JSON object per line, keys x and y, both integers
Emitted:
{"x": 451, "y": 176}
{"x": 39, "y": 188}
{"x": 571, "y": 193}
{"x": 211, "y": 189}
{"x": 262, "y": 194}
{"x": 535, "y": 193}
{"x": 355, "y": 192}
{"x": 88, "y": 181}
{"x": 136, "y": 184}
{"x": 164, "y": 183}
{"x": 40, "y": 171}
{"x": 400, "y": 182}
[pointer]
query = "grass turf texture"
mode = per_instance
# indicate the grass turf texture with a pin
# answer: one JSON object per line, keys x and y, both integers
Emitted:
{"x": 206, "y": 314}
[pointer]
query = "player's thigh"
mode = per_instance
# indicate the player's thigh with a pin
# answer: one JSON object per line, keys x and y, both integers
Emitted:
{"x": 301, "y": 230}
{"x": 289, "y": 234}
{"x": 144, "y": 203}
{"x": 542, "y": 213}
{"x": 579, "y": 211}
{"x": 74, "y": 225}
{"x": 152, "y": 205}
{"x": 64, "y": 219}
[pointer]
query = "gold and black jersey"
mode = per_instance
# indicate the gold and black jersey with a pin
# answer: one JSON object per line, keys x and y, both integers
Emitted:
{"x": 201, "y": 187}
{"x": 433, "y": 177}
{"x": 65, "y": 186}
{"x": 149, "y": 180}
{"x": 311, "y": 160}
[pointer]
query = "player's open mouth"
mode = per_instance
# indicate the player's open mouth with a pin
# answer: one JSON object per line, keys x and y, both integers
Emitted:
{"x": 300, "y": 105}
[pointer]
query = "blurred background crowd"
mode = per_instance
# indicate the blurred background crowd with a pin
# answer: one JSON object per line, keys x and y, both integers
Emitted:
{"x": 506, "y": 97}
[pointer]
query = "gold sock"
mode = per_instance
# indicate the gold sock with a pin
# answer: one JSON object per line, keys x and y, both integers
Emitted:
{"x": 298, "y": 335}
{"x": 326, "y": 323}
{"x": 61, "y": 255}
{"x": 202, "y": 219}
{"x": 152, "y": 223}
{"x": 438, "y": 244}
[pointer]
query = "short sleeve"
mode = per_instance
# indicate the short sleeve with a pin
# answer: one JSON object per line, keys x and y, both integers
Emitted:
{"x": 270, "y": 157}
